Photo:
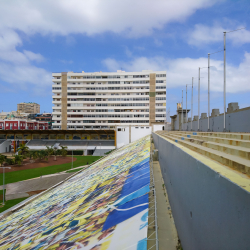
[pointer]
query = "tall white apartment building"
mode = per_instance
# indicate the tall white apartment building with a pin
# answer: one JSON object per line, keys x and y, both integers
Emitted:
{"x": 102, "y": 100}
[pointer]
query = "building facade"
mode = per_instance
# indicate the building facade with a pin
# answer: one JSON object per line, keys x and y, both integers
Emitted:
{"x": 19, "y": 124}
{"x": 102, "y": 100}
{"x": 29, "y": 107}
{"x": 45, "y": 117}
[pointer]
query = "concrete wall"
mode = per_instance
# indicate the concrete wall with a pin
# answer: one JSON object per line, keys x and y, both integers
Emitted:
{"x": 4, "y": 145}
{"x": 122, "y": 136}
{"x": 127, "y": 134}
{"x": 238, "y": 121}
{"x": 139, "y": 132}
{"x": 210, "y": 211}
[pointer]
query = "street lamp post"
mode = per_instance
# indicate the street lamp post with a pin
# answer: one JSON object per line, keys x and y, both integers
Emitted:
{"x": 224, "y": 82}
{"x": 199, "y": 83}
{"x": 186, "y": 103}
{"x": 208, "y": 90}
{"x": 182, "y": 120}
{"x": 192, "y": 103}
{"x": 224, "y": 88}
{"x": 199, "y": 91}
{"x": 3, "y": 181}
{"x": 186, "y": 106}
{"x": 72, "y": 160}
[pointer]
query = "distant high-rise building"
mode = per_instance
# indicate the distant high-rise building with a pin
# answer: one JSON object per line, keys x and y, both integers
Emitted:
{"x": 28, "y": 107}
{"x": 102, "y": 100}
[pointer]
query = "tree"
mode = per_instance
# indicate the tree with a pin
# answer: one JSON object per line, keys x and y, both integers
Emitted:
{"x": 41, "y": 155}
{"x": 9, "y": 161}
{"x": 35, "y": 155}
{"x": 23, "y": 150}
{"x": 31, "y": 155}
{"x": 50, "y": 150}
{"x": 64, "y": 151}
{"x": 18, "y": 159}
{"x": 2, "y": 159}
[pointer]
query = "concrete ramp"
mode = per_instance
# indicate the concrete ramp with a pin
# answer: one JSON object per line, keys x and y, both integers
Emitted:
{"x": 27, "y": 188}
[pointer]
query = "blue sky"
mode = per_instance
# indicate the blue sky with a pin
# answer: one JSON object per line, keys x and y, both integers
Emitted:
{"x": 41, "y": 37}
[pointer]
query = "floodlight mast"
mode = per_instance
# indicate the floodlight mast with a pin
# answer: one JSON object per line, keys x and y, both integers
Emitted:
{"x": 225, "y": 83}
{"x": 182, "y": 112}
{"x": 192, "y": 103}
{"x": 199, "y": 83}
{"x": 208, "y": 92}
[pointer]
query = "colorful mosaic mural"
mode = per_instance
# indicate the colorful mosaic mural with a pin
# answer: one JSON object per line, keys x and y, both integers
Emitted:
{"x": 103, "y": 207}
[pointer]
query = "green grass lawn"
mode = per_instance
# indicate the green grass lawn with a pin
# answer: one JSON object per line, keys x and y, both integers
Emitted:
{"x": 11, "y": 203}
{"x": 36, "y": 172}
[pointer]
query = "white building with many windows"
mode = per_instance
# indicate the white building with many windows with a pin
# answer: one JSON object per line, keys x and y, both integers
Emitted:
{"x": 105, "y": 100}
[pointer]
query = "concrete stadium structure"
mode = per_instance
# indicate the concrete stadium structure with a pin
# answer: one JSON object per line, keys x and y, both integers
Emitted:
{"x": 237, "y": 120}
{"x": 207, "y": 180}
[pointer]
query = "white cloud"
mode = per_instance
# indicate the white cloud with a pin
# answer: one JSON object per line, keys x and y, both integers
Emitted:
{"x": 16, "y": 67}
{"x": 33, "y": 56}
{"x": 203, "y": 34}
{"x": 63, "y": 17}
{"x": 22, "y": 75}
{"x": 180, "y": 71}
{"x": 66, "y": 61}
{"x": 134, "y": 18}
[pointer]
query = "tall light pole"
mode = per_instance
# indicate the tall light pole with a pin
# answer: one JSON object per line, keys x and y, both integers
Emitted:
{"x": 199, "y": 92}
{"x": 192, "y": 103}
{"x": 182, "y": 112}
{"x": 199, "y": 83}
{"x": 72, "y": 160}
{"x": 208, "y": 92}
{"x": 3, "y": 181}
{"x": 208, "y": 88}
{"x": 186, "y": 102}
{"x": 224, "y": 88}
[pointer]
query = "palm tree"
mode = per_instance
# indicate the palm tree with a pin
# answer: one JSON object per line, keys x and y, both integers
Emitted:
{"x": 31, "y": 155}
{"x": 45, "y": 154}
{"x": 18, "y": 159}
{"x": 34, "y": 155}
{"x": 64, "y": 151}
{"x": 56, "y": 152}
{"x": 23, "y": 150}
{"x": 2, "y": 159}
{"x": 50, "y": 150}
{"x": 40, "y": 155}
{"x": 9, "y": 161}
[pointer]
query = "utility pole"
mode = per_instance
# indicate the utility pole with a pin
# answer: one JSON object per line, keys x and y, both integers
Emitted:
{"x": 182, "y": 112}
{"x": 225, "y": 74}
{"x": 224, "y": 81}
{"x": 192, "y": 103}
{"x": 199, "y": 83}
{"x": 208, "y": 90}
{"x": 186, "y": 104}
